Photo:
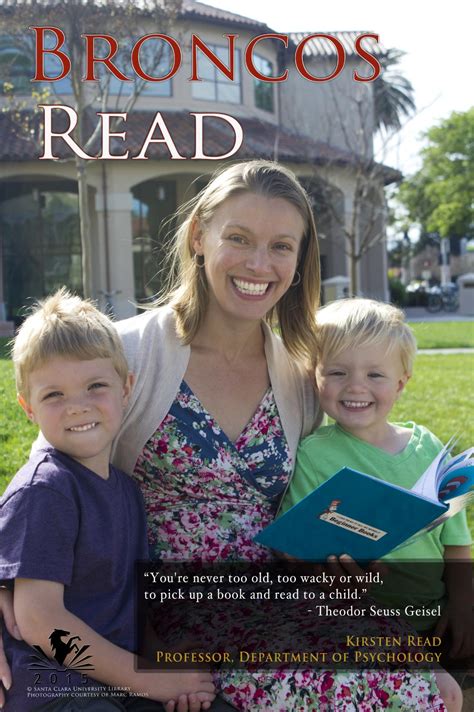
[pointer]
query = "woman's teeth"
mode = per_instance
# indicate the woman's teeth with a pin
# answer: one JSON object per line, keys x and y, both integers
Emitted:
{"x": 82, "y": 428}
{"x": 356, "y": 404}
{"x": 251, "y": 287}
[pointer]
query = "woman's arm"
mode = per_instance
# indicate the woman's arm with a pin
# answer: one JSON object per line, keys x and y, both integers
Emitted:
{"x": 39, "y": 609}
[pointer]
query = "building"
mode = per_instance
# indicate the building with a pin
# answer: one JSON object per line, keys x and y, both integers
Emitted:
{"x": 323, "y": 131}
{"x": 426, "y": 264}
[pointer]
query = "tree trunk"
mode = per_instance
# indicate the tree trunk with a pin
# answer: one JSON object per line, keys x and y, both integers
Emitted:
{"x": 84, "y": 214}
{"x": 354, "y": 284}
{"x": 85, "y": 228}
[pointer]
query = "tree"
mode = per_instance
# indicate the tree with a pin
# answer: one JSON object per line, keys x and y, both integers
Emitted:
{"x": 123, "y": 19}
{"x": 348, "y": 181}
{"x": 378, "y": 106}
{"x": 393, "y": 94}
{"x": 392, "y": 99}
{"x": 439, "y": 195}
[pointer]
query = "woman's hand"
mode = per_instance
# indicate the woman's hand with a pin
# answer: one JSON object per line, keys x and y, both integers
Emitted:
{"x": 346, "y": 566}
{"x": 6, "y": 610}
{"x": 191, "y": 703}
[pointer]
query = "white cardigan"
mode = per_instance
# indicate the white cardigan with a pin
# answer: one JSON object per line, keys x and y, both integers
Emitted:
{"x": 159, "y": 360}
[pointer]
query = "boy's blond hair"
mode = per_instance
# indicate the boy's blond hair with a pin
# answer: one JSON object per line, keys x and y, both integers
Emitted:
{"x": 65, "y": 325}
{"x": 355, "y": 322}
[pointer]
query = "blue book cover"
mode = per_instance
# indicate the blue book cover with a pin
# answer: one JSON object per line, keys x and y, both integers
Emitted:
{"x": 352, "y": 513}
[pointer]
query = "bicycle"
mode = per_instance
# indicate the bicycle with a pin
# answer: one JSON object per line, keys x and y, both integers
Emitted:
{"x": 440, "y": 298}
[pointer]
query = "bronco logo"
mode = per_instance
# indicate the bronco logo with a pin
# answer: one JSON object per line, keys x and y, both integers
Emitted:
{"x": 60, "y": 650}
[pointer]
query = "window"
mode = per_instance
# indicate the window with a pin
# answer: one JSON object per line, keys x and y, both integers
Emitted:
{"x": 16, "y": 65}
{"x": 53, "y": 68}
{"x": 263, "y": 91}
{"x": 41, "y": 244}
{"x": 213, "y": 85}
{"x": 153, "y": 202}
{"x": 155, "y": 60}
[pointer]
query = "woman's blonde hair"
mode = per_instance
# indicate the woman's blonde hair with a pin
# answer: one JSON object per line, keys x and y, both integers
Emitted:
{"x": 65, "y": 325}
{"x": 187, "y": 289}
{"x": 356, "y": 322}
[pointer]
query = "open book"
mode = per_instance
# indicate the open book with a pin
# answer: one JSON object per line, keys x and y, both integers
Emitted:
{"x": 360, "y": 515}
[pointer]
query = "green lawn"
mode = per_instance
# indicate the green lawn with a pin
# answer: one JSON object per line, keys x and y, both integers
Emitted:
{"x": 16, "y": 431}
{"x": 438, "y": 396}
{"x": 444, "y": 334}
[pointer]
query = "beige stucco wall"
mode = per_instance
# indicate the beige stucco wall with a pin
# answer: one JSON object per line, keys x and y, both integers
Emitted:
{"x": 338, "y": 112}
{"x": 181, "y": 98}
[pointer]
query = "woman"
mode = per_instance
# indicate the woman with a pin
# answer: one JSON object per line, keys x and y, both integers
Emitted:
{"x": 220, "y": 404}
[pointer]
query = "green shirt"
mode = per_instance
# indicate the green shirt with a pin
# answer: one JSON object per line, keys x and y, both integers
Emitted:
{"x": 323, "y": 453}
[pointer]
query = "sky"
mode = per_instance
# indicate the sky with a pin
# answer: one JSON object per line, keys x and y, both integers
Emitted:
{"x": 437, "y": 39}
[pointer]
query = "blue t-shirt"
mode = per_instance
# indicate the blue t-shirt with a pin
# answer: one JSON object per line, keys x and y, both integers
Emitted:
{"x": 59, "y": 521}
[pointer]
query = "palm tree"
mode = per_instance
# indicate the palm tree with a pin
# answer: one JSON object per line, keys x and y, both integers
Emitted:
{"x": 393, "y": 94}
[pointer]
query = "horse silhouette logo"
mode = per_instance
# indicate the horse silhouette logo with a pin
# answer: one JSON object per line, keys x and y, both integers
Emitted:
{"x": 60, "y": 650}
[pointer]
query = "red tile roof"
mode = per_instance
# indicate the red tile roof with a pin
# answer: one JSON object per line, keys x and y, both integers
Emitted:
{"x": 321, "y": 47}
{"x": 261, "y": 140}
{"x": 202, "y": 11}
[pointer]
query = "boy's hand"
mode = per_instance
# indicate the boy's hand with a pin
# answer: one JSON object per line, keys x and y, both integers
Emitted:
{"x": 6, "y": 610}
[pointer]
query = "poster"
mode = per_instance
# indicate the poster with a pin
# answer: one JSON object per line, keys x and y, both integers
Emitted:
{"x": 153, "y": 154}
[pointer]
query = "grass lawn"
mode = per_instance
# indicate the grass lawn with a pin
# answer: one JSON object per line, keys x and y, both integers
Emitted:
{"x": 16, "y": 431}
{"x": 444, "y": 334}
{"x": 438, "y": 396}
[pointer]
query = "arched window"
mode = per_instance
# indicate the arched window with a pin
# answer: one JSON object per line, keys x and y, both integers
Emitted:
{"x": 153, "y": 201}
{"x": 40, "y": 245}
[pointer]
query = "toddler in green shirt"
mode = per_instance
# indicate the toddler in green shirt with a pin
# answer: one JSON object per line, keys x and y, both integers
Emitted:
{"x": 363, "y": 362}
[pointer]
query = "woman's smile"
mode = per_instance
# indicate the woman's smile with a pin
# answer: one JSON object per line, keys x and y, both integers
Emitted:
{"x": 250, "y": 288}
{"x": 250, "y": 248}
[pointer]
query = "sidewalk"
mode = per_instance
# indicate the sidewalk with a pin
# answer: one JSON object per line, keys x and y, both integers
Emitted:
{"x": 433, "y": 352}
{"x": 421, "y": 314}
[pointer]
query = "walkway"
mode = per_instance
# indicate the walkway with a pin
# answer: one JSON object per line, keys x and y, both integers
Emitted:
{"x": 433, "y": 352}
{"x": 420, "y": 314}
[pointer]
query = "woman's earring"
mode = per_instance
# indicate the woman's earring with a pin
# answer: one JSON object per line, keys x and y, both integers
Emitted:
{"x": 198, "y": 260}
{"x": 297, "y": 281}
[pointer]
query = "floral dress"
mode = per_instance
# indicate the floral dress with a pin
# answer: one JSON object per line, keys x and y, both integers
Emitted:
{"x": 206, "y": 497}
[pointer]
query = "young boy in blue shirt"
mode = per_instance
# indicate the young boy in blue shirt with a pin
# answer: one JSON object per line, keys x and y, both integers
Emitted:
{"x": 364, "y": 360}
{"x": 72, "y": 526}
